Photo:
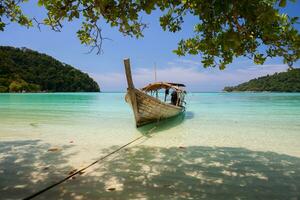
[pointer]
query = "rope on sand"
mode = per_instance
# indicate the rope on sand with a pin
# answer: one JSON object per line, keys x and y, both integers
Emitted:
{"x": 84, "y": 168}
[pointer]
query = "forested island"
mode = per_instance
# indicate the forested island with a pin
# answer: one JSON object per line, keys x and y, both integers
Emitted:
{"x": 279, "y": 82}
{"x": 25, "y": 70}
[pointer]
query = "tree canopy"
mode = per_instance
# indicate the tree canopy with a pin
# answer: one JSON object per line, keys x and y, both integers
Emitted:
{"x": 279, "y": 82}
{"x": 226, "y": 29}
{"x": 27, "y": 70}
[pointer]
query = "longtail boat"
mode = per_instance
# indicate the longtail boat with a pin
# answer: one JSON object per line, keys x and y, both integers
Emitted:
{"x": 148, "y": 108}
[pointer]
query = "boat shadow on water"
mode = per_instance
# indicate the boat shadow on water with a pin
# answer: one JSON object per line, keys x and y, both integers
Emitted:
{"x": 165, "y": 124}
{"x": 142, "y": 172}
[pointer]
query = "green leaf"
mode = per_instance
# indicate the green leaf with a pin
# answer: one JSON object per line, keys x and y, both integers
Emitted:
{"x": 2, "y": 25}
{"x": 282, "y": 3}
{"x": 40, "y": 3}
{"x": 222, "y": 66}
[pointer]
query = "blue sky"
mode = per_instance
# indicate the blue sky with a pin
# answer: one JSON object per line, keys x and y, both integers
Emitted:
{"x": 156, "y": 47}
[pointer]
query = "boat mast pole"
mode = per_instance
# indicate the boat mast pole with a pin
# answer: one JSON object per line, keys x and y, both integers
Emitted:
{"x": 155, "y": 78}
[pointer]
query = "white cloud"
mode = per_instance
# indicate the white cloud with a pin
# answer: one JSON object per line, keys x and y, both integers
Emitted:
{"x": 188, "y": 72}
{"x": 190, "y": 63}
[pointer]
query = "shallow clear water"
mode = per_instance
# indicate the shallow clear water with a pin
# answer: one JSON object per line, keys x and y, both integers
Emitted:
{"x": 259, "y": 121}
{"x": 242, "y": 140}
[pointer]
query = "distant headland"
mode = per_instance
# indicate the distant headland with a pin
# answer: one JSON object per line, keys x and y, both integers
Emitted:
{"x": 279, "y": 82}
{"x": 25, "y": 70}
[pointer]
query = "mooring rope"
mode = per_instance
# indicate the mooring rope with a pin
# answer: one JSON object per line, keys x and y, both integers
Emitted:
{"x": 84, "y": 168}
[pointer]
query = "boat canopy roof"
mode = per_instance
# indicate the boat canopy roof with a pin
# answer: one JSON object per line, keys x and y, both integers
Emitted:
{"x": 163, "y": 85}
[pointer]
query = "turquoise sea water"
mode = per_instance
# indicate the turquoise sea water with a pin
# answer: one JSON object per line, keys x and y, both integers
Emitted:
{"x": 228, "y": 145}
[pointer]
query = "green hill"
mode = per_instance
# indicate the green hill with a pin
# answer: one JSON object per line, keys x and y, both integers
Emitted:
{"x": 25, "y": 70}
{"x": 279, "y": 82}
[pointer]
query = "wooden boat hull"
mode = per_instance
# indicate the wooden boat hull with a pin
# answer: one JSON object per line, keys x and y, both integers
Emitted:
{"x": 148, "y": 109}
